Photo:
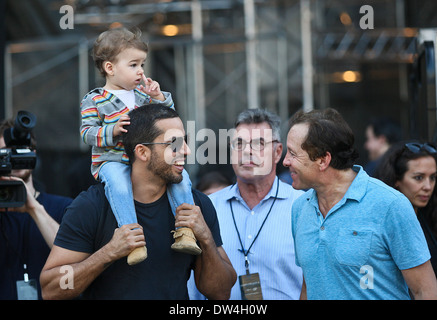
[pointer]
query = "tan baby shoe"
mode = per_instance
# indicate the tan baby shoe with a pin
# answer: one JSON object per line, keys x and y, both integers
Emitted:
{"x": 185, "y": 241}
{"x": 137, "y": 255}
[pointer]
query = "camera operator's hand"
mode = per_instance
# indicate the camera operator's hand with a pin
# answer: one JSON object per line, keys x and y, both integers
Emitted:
{"x": 31, "y": 204}
{"x": 45, "y": 223}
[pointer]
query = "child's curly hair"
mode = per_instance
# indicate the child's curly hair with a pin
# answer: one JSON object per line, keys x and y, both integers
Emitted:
{"x": 111, "y": 42}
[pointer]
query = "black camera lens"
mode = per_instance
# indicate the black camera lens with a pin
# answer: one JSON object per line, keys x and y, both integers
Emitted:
{"x": 24, "y": 122}
{"x": 12, "y": 194}
{"x": 6, "y": 194}
{"x": 19, "y": 134}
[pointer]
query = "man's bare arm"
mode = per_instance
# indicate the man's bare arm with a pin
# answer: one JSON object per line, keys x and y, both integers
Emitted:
{"x": 422, "y": 281}
{"x": 85, "y": 268}
{"x": 213, "y": 272}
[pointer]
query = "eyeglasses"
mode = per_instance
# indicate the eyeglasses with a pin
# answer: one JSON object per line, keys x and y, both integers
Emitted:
{"x": 417, "y": 147}
{"x": 176, "y": 143}
{"x": 255, "y": 144}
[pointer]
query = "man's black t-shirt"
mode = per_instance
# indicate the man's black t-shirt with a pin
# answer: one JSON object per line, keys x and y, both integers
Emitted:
{"x": 89, "y": 224}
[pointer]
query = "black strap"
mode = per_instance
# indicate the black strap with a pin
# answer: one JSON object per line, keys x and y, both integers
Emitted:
{"x": 246, "y": 253}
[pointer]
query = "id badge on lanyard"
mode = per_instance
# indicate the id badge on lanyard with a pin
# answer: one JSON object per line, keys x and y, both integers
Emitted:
{"x": 250, "y": 287}
{"x": 250, "y": 284}
{"x": 27, "y": 288}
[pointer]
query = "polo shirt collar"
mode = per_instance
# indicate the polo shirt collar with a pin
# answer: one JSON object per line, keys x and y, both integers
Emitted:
{"x": 356, "y": 190}
{"x": 358, "y": 187}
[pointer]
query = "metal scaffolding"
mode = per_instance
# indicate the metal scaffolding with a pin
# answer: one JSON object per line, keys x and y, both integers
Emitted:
{"x": 226, "y": 55}
{"x": 261, "y": 55}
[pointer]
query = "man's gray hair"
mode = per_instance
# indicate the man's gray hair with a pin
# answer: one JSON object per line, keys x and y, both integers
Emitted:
{"x": 251, "y": 116}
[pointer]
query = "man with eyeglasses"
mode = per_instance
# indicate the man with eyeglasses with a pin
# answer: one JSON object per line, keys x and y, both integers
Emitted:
{"x": 356, "y": 238}
{"x": 86, "y": 257}
{"x": 255, "y": 213}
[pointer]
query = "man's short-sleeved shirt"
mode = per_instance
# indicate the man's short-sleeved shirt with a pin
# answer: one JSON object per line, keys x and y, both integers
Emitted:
{"x": 359, "y": 249}
{"x": 89, "y": 224}
{"x": 266, "y": 230}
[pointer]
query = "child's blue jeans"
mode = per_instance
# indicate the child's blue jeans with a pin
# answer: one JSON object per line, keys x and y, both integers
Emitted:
{"x": 118, "y": 190}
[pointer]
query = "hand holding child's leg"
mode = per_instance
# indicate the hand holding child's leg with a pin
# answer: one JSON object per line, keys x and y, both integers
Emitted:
{"x": 179, "y": 193}
{"x": 118, "y": 190}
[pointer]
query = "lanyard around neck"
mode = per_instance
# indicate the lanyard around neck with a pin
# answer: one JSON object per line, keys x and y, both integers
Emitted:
{"x": 246, "y": 253}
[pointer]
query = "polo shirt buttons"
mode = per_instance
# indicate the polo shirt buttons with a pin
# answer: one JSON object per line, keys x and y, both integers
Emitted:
{"x": 322, "y": 235}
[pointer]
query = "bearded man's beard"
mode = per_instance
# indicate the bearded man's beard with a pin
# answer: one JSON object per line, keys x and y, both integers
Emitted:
{"x": 163, "y": 170}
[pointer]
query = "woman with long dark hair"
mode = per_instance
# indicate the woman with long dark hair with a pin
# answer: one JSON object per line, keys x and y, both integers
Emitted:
{"x": 411, "y": 168}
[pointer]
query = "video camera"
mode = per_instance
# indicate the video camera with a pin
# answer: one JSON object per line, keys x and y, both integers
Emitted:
{"x": 17, "y": 155}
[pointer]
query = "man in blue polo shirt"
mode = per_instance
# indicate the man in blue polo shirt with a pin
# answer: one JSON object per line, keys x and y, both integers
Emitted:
{"x": 355, "y": 237}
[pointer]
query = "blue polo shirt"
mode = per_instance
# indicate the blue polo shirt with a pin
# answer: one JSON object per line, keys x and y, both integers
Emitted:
{"x": 359, "y": 249}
